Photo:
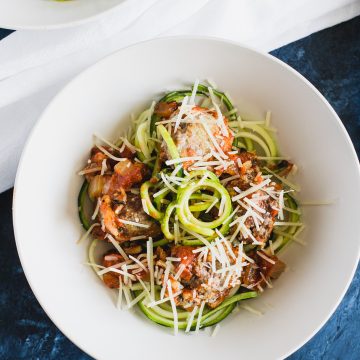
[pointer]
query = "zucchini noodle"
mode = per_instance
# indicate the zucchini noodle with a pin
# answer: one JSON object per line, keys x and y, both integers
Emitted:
{"x": 145, "y": 196}
{"x": 208, "y": 318}
{"x": 142, "y": 136}
{"x": 191, "y": 222}
{"x": 165, "y": 221}
{"x": 247, "y": 136}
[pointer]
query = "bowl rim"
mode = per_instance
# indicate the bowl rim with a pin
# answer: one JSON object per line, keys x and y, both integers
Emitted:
{"x": 196, "y": 38}
{"x": 63, "y": 25}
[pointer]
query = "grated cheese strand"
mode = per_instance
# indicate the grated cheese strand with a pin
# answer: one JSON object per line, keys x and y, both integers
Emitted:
{"x": 143, "y": 286}
{"x": 133, "y": 223}
{"x": 87, "y": 233}
{"x": 193, "y": 94}
{"x": 255, "y": 206}
{"x": 213, "y": 140}
{"x": 139, "y": 263}
{"x": 179, "y": 272}
{"x": 89, "y": 171}
{"x": 111, "y": 156}
{"x": 230, "y": 178}
{"x": 127, "y": 294}
{"x": 198, "y": 322}
{"x": 166, "y": 277}
{"x": 140, "y": 237}
{"x": 173, "y": 307}
{"x": 221, "y": 122}
{"x": 251, "y": 190}
{"x": 150, "y": 261}
{"x": 190, "y": 319}
{"x": 284, "y": 223}
{"x": 117, "y": 246}
{"x": 94, "y": 215}
{"x": 167, "y": 183}
{"x": 120, "y": 295}
{"x": 212, "y": 205}
{"x": 181, "y": 113}
{"x": 146, "y": 210}
{"x": 262, "y": 255}
{"x": 136, "y": 300}
{"x": 103, "y": 167}
{"x": 107, "y": 142}
{"x": 161, "y": 301}
{"x": 130, "y": 146}
{"x": 115, "y": 270}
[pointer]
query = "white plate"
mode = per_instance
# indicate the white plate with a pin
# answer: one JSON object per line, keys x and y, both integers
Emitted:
{"x": 97, "y": 101}
{"x": 47, "y": 14}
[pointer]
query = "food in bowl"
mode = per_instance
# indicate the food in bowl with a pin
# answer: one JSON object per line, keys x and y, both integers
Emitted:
{"x": 195, "y": 204}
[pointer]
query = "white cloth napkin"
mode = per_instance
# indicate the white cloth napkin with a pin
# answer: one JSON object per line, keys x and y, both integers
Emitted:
{"x": 34, "y": 65}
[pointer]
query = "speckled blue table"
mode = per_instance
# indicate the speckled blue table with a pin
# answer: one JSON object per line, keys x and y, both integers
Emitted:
{"x": 330, "y": 59}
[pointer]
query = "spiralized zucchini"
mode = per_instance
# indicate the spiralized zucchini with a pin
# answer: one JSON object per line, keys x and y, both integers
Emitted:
{"x": 185, "y": 215}
{"x": 208, "y": 318}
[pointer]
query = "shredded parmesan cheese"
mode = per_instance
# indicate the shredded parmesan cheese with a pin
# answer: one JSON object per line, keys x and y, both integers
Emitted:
{"x": 131, "y": 147}
{"x": 117, "y": 246}
{"x": 198, "y": 322}
{"x": 140, "y": 237}
{"x": 139, "y": 263}
{"x": 179, "y": 272}
{"x": 251, "y": 190}
{"x": 120, "y": 295}
{"x": 193, "y": 94}
{"x": 220, "y": 121}
{"x": 255, "y": 206}
{"x": 284, "y": 223}
{"x": 166, "y": 277}
{"x": 262, "y": 255}
{"x": 181, "y": 113}
{"x": 107, "y": 142}
{"x": 150, "y": 260}
{"x": 230, "y": 178}
{"x": 173, "y": 306}
{"x": 213, "y": 140}
{"x": 94, "y": 215}
{"x": 161, "y": 301}
{"x": 136, "y": 300}
{"x": 191, "y": 319}
{"x": 167, "y": 183}
{"x": 87, "y": 233}
{"x": 143, "y": 202}
{"x": 89, "y": 171}
{"x": 111, "y": 156}
{"x": 103, "y": 167}
{"x": 133, "y": 223}
{"x": 183, "y": 159}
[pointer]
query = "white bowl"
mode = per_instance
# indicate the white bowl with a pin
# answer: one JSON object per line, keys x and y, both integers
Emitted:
{"x": 49, "y": 14}
{"x": 97, "y": 101}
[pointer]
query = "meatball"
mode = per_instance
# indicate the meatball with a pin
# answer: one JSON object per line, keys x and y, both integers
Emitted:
{"x": 133, "y": 211}
{"x": 192, "y": 138}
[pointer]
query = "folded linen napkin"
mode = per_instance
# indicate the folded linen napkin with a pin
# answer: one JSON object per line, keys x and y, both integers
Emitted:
{"x": 35, "y": 65}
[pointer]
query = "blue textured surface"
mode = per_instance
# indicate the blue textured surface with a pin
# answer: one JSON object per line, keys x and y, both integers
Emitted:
{"x": 330, "y": 59}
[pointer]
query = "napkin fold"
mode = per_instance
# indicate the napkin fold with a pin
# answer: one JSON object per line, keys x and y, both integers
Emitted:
{"x": 35, "y": 65}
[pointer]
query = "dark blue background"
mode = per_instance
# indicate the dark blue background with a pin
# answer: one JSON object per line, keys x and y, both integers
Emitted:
{"x": 330, "y": 59}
